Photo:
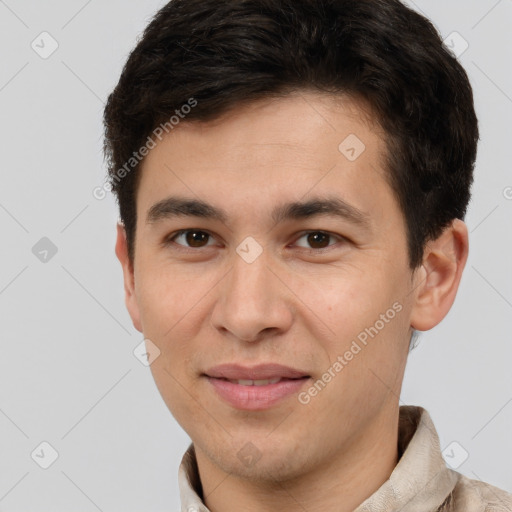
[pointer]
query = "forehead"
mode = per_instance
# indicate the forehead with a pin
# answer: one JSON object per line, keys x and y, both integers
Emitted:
{"x": 294, "y": 146}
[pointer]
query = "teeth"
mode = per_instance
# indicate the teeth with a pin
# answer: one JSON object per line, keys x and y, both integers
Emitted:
{"x": 244, "y": 382}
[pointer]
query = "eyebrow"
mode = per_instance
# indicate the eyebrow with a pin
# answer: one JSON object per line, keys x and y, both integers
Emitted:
{"x": 175, "y": 206}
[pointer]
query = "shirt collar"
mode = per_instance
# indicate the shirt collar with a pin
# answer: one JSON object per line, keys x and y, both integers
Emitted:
{"x": 420, "y": 482}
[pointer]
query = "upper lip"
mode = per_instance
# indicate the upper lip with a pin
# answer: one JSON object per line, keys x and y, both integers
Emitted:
{"x": 259, "y": 372}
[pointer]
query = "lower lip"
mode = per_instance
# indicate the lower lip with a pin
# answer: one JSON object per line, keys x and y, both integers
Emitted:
{"x": 256, "y": 398}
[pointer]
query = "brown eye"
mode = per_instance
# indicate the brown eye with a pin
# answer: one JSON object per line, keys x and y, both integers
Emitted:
{"x": 192, "y": 238}
{"x": 317, "y": 239}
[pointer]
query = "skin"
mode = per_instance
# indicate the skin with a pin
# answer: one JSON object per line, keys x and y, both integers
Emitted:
{"x": 302, "y": 309}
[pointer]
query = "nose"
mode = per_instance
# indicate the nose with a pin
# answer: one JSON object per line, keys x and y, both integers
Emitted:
{"x": 253, "y": 301}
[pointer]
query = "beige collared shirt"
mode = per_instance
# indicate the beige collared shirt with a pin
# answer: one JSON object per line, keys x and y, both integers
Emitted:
{"x": 420, "y": 482}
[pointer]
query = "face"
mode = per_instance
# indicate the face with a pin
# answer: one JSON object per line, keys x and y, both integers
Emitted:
{"x": 298, "y": 258}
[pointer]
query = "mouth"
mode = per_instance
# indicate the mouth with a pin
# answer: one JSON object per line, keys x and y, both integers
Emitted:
{"x": 261, "y": 372}
{"x": 255, "y": 388}
{"x": 259, "y": 382}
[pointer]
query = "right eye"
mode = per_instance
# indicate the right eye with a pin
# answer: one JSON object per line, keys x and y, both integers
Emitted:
{"x": 194, "y": 237}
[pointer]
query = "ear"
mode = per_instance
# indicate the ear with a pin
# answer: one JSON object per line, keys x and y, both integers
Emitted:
{"x": 128, "y": 276}
{"x": 438, "y": 278}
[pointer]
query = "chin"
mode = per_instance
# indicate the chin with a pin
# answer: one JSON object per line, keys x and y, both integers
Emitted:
{"x": 263, "y": 460}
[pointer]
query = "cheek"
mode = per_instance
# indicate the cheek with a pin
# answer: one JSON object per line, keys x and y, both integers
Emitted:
{"x": 366, "y": 321}
{"x": 346, "y": 300}
{"x": 167, "y": 296}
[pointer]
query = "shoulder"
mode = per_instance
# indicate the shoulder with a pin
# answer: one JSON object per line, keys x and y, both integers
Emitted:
{"x": 470, "y": 495}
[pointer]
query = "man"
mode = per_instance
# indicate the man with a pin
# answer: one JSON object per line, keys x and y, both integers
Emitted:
{"x": 292, "y": 177}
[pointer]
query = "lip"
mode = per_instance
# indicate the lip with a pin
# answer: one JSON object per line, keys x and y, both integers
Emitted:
{"x": 255, "y": 398}
{"x": 258, "y": 372}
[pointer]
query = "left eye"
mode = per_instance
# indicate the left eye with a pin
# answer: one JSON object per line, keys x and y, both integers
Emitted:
{"x": 318, "y": 238}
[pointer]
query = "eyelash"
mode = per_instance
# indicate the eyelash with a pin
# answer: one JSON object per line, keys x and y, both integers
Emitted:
{"x": 170, "y": 240}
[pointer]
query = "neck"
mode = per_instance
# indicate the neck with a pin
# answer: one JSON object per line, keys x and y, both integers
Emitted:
{"x": 341, "y": 483}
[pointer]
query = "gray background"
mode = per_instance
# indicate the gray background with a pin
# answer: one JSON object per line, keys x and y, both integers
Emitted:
{"x": 67, "y": 369}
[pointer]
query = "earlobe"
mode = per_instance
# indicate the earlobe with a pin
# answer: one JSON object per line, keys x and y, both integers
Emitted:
{"x": 438, "y": 279}
{"x": 128, "y": 277}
